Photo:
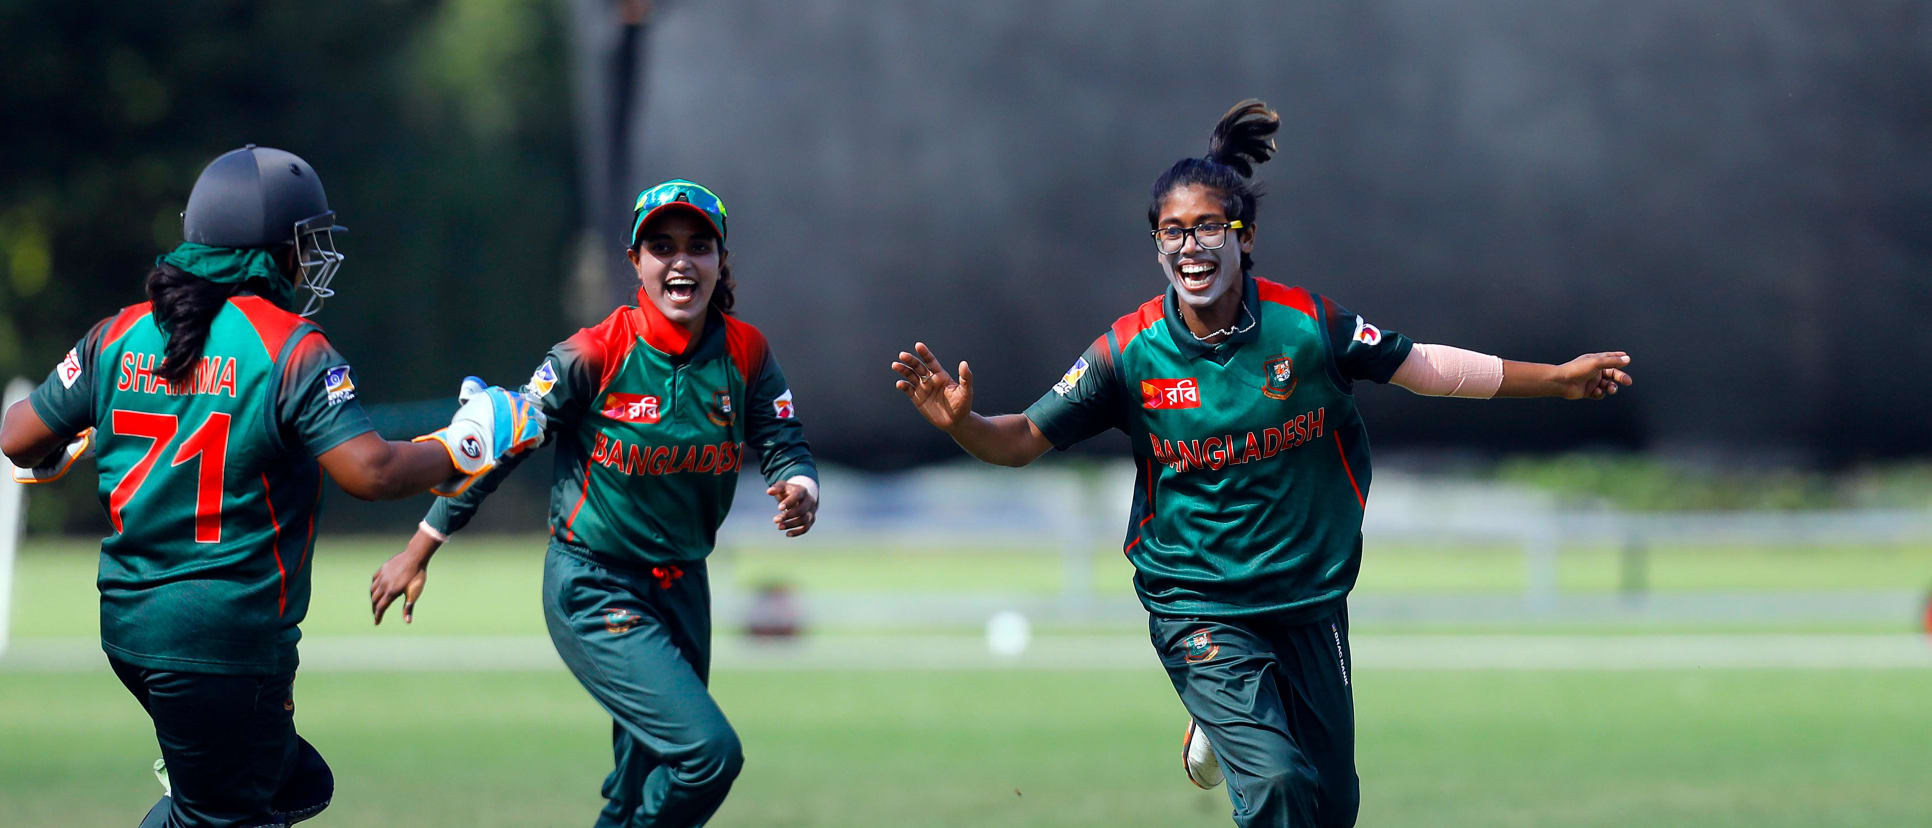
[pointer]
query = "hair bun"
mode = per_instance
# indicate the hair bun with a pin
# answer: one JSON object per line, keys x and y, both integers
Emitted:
{"x": 1244, "y": 137}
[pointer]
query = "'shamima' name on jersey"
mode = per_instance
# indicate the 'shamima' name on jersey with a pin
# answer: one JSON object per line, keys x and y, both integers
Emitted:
{"x": 213, "y": 375}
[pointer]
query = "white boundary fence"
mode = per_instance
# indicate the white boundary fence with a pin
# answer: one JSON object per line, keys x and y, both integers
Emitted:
{"x": 1081, "y": 512}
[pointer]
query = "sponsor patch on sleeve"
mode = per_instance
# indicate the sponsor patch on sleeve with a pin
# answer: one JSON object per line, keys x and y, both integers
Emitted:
{"x": 1365, "y": 333}
{"x": 781, "y": 405}
{"x": 337, "y": 383}
{"x": 543, "y": 380}
{"x": 70, "y": 369}
{"x": 1072, "y": 377}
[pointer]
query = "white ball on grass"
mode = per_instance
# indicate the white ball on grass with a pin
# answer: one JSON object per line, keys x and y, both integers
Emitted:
{"x": 1008, "y": 633}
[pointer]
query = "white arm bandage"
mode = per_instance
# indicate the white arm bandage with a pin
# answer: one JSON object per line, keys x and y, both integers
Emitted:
{"x": 1442, "y": 371}
{"x": 802, "y": 480}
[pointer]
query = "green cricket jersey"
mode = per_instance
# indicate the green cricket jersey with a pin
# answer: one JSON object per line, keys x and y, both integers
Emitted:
{"x": 1253, "y": 462}
{"x": 651, "y": 426}
{"x": 210, "y": 483}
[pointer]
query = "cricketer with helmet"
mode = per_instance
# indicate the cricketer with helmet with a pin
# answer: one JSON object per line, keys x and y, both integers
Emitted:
{"x": 214, "y": 409}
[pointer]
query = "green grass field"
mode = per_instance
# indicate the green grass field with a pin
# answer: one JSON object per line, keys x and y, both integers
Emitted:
{"x": 1504, "y": 748}
{"x": 974, "y": 747}
{"x": 487, "y": 586}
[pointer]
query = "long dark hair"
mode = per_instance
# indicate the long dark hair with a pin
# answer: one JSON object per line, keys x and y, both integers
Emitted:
{"x": 1243, "y": 139}
{"x": 184, "y": 306}
{"x": 723, "y": 296}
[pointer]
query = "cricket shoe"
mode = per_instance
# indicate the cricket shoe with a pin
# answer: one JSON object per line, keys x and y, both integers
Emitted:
{"x": 1197, "y": 757}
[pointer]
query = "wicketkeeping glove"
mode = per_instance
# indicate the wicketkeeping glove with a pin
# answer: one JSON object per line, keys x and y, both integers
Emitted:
{"x": 492, "y": 424}
{"x": 56, "y": 466}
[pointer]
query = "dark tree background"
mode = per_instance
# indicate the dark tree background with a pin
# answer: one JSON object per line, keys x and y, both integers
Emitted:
{"x": 441, "y": 131}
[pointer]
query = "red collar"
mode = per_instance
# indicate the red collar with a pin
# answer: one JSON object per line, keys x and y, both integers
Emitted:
{"x": 658, "y": 331}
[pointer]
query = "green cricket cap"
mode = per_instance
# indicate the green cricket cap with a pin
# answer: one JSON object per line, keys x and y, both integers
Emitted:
{"x": 678, "y": 194}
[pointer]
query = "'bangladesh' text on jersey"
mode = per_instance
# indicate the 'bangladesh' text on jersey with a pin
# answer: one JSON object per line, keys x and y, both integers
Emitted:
{"x": 209, "y": 481}
{"x": 1252, "y": 461}
{"x": 651, "y": 426}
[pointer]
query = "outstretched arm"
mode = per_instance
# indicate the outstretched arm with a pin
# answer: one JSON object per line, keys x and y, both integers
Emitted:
{"x": 1366, "y": 352}
{"x": 1591, "y": 376}
{"x": 947, "y": 403}
{"x": 560, "y": 387}
{"x": 1443, "y": 371}
{"x": 492, "y": 427}
{"x": 372, "y": 468}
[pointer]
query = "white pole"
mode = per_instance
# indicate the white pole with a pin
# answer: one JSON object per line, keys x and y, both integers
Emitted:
{"x": 1539, "y": 554}
{"x": 13, "y": 519}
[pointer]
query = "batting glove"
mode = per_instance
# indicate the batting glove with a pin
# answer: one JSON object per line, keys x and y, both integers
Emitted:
{"x": 55, "y": 467}
{"x": 492, "y": 424}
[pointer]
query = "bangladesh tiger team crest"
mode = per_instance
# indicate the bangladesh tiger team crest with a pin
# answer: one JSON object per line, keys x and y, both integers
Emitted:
{"x": 1280, "y": 378}
{"x": 1201, "y": 647}
{"x": 720, "y": 413}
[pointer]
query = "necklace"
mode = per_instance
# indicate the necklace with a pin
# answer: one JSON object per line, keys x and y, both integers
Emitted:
{"x": 1252, "y": 321}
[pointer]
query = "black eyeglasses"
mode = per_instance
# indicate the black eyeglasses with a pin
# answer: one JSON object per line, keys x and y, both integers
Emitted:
{"x": 1211, "y": 235}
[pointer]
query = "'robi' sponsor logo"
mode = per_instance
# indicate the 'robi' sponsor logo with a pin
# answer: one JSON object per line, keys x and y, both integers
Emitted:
{"x": 631, "y": 408}
{"x": 1170, "y": 393}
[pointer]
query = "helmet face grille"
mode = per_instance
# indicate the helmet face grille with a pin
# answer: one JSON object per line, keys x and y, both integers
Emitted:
{"x": 316, "y": 261}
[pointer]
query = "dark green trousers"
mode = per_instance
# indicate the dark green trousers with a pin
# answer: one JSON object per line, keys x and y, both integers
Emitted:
{"x": 1273, "y": 696}
{"x": 233, "y": 756}
{"x": 640, "y": 641}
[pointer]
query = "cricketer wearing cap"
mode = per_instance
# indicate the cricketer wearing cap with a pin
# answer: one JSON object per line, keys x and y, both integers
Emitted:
{"x": 653, "y": 410}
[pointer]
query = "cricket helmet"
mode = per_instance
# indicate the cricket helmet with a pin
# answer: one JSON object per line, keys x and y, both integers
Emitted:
{"x": 264, "y": 197}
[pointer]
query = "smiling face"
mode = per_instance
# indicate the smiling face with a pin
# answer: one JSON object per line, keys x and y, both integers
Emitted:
{"x": 678, "y": 259}
{"x": 1202, "y": 277}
